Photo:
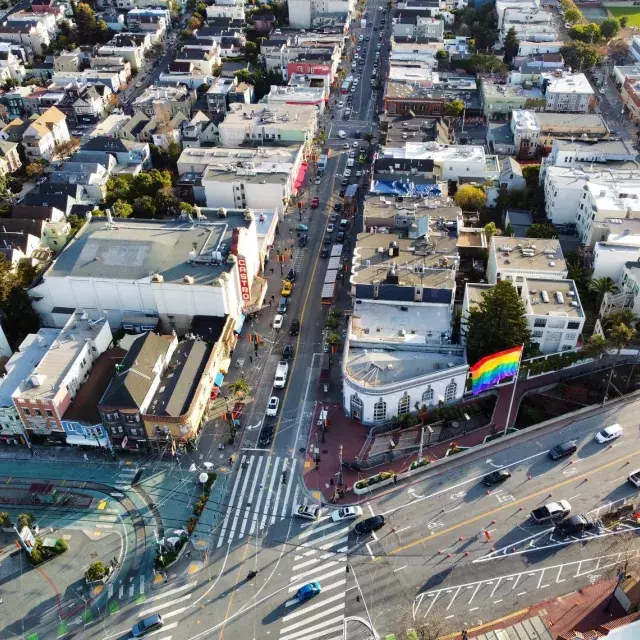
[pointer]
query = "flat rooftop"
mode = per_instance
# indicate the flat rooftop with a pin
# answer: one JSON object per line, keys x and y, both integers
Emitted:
{"x": 615, "y": 198}
{"x": 136, "y": 249}
{"x": 218, "y": 175}
{"x": 379, "y": 367}
{"x": 587, "y": 122}
{"x": 284, "y": 116}
{"x": 436, "y": 152}
{"x": 245, "y": 158}
{"x": 387, "y": 206}
{"x": 181, "y": 379}
{"x": 514, "y": 254}
{"x": 60, "y": 357}
{"x": 22, "y": 363}
{"x": 427, "y": 262}
{"x": 562, "y": 296}
{"x": 620, "y": 147}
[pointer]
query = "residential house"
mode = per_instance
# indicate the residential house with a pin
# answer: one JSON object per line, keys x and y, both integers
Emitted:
{"x": 33, "y": 35}
{"x": 11, "y": 66}
{"x": 48, "y": 6}
{"x": 68, "y": 60}
{"x": 165, "y": 102}
{"x": 44, "y": 133}
{"x": 42, "y": 398}
{"x": 90, "y": 106}
{"x": 511, "y": 178}
{"x": 199, "y": 131}
{"x": 125, "y": 47}
{"x": 9, "y": 157}
{"x": 14, "y": 101}
{"x": 226, "y": 91}
{"x": 124, "y": 151}
{"x": 19, "y": 241}
{"x": 231, "y": 9}
{"x": 263, "y": 22}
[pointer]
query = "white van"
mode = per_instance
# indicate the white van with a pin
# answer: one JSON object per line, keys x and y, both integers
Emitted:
{"x": 350, "y": 162}
{"x": 342, "y": 134}
{"x": 609, "y": 433}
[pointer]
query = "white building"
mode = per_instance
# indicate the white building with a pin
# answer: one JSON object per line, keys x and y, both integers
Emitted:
{"x": 526, "y": 132}
{"x": 232, "y": 9}
{"x": 515, "y": 259}
{"x": 47, "y": 20}
{"x": 530, "y": 33}
{"x": 34, "y": 36}
{"x": 128, "y": 51}
{"x": 566, "y": 91}
{"x": 553, "y": 311}
{"x": 517, "y": 7}
{"x": 416, "y": 52}
{"x": 169, "y": 271}
{"x": 283, "y": 124}
{"x": 20, "y": 366}
{"x": 303, "y": 14}
{"x": 254, "y": 179}
{"x": 609, "y": 258}
{"x": 44, "y": 133}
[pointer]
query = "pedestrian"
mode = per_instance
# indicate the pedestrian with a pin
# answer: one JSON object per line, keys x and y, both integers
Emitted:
{"x": 230, "y": 459}
{"x": 271, "y": 324}
{"x": 269, "y": 302}
{"x": 188, "y": 554}
{"x": 272, "y": 274}
{"x": 251, "y": 359}
{"x": 273, "y": 297}
{"x": 86, "y": 457}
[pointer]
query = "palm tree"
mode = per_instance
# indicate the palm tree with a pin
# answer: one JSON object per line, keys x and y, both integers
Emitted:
{"x": 601, "y": 286}
{"x": 596, "y": 347}
{"x": 620, "y": 316}
{"x": 239, "y": 387}
{"x": 334, "y": 341}
{"x": 619, "y": 337}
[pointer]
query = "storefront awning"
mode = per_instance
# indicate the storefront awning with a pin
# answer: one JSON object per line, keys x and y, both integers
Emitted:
{"x": 300, "y": 177}
{"x": 239, "y": 323}
{"x": 81, "y": 441}
{"x": 219, "y": 379}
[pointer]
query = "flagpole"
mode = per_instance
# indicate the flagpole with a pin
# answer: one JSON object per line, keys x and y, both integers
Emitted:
{"x": 513, "y": 393}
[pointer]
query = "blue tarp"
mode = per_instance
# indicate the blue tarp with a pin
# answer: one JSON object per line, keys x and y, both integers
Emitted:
{"x": 405, "y": 188}
{"x": 219, "y": 379}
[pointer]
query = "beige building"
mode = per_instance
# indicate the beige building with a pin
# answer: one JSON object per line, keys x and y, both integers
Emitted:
{"x": 165, "y": 102}
{"x": 44, "y": 133}
{"x": 630, "y": 94}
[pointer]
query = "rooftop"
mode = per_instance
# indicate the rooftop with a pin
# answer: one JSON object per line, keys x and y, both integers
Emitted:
{"x": 587, "y": 122}
{"x": 138, "y": 249}
{"x": 428, "y": 262}
{"x": 379, "y": 367}
{"x": 563, "y": 82}
{"x": 55, "y": 365}
{"x": 401, "y": 89}
{"x": 286, "y": 116}
{"x": 617, "y": 147}
{"x": 436, "y": 152}
{"x": 624, "y": 199}
{"x": 22, "y": 363}
{"x": 562, "y": 296}
{"x": 263, "y": 159}
{"x": 500, "y": 92}
{"x": 528, "y": 254}
{"x": 181, "y": 379}
{"x": 385, "y": 207}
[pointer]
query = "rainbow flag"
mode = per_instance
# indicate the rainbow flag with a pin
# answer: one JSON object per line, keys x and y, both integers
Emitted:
{"x": 490, "y": 370}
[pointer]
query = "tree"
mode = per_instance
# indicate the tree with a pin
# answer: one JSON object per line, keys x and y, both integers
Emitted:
{"x": 144, "y": 207}
{"x": 579, "y": 55}
{"x": 441, "y": 54}
{"x": 194, "y": 23}
{"x": 86, "y": 22}
{"x": 624, "y": 21}
{"x": 122, "y": 209}
{"x": 334, "y": 341}
{"x": 585, "y": 32}
{"x": 63, "y": 149}
{"x": 542, "y": 230}
{"x": 187, "y": 209}
{"x": 35, "y": 169}
{"x": 25, "y": 520}
{"x": 96, "y": 571}
{"x": 502, "y": 307}
{"x": 609, "y": 28}
{"x": 454, "y": 108}
{"x": 239, "y": 387}
{"x": 572, "y": 16}
{"x": 596, "y": 347}
{"x": 470, "y": 198}
{"x": 601, "y": 286}
{"x": 251, "y": 50}
{"x": 618, "y": 50}
{"x": 619, "y": 316}
{"x": 490, "y": 230}
{"x": 483, "y": 63}
{"x": 511, "y": 46}
{"x": 10, "y": 84}
{"x": 619, "y": 337}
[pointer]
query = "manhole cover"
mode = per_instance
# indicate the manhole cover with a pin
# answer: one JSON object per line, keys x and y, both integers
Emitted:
{"x": 325, "y": 451}
{"x": 94, "y": 554}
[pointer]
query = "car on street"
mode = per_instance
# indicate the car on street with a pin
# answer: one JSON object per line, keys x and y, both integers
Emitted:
{"x": 308, "y": 591}
{"x": 346, "y": 513}
{"x": 147, "y": 625}
{"x": 353, "y": 90}
{"x": 294, "y": 329}
{"x": 308, "y": 512}
{"x": 340, "y": 237}
{"x": 302, "y": 227}
{"x": 551, "y": 512}
{"x": 337, "y": 206}
{"x": 287, "y": 352}
{"x": 356, "y": 144}
{"x": 347, "y": 173}
{"x": 315, "y": 202}
{"x": 575, "y": 524}
{"x": 563, "y": 450}
{"x": 318, "y": 180}
{"x": 277, "y": 321}
{"x": 266, "y": 435}
{"x": 291, "y": 276}
{"x": 330, "y": 227}
{"x": 352, "y": 155}
{"x": 496, "y": 477}
{"x": 272, "y": 407}
{"x": 327, "y": 240}
{"x": 303, "y": 240}
{"x": 356, "y": 81}
{"x": 610, "y": 433}
{"x": 369, "y": 525}
{"x": 603, "y": 90}
{"x": 340, "y": 104}
{"x": 359, "y": 173}
{"x": 333, "y": 217}
{"x": 287, "y": 288}
{"x": 346, "y": 145}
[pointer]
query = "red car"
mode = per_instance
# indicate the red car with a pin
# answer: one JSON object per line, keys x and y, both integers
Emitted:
{"x": 314, "y": 203}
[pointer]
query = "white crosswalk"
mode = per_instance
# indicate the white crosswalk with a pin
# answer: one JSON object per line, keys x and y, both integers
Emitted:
{"x": 258, "y": 498}
{"x": 124, "y": 478}
{"x": 322, "y": 558}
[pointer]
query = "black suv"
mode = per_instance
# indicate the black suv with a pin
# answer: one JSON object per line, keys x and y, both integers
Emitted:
{"x": 266, "y": 435}
{"x": 294, "y": 329}
{"x": 291, "y": 276}
{"x": 575, "y": 524}
{"x": 370, "y": 524}
{"x": 563, "y": 450}
{"x": 287, "y": 354}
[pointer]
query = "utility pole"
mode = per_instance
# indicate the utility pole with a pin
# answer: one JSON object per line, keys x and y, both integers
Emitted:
{"x": 340, "y": 479}
{"x": 421, "y": 441}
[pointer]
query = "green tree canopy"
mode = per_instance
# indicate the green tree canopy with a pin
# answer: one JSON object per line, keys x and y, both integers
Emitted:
{"x": 579, "y": 55}
{"x": 122, "y": 209}
{"x": 484, "y": 63}
{"x": 496, "y": 323}
{"x": 511, "y": 46}
{"x": 624, "y": 21}
{"x": 454, "y": 108}
{"x": 572, "y": 16}
{"x": 470, "y": 198}
{"x": 585, "y": 32}
{"x": 542, "y": 230}
{"x": 619, "y": 50}
{"x": 610, "y": 28}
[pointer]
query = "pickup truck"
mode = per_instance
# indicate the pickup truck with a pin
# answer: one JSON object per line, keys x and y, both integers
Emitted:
{"x": 575, "y": 524}
{"x": 281, "y": 374}
{"x": 551, "y": 512}
{"x": 634, "y": 478}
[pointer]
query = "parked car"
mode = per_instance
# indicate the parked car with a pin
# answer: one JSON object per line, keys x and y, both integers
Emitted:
{"x": 282, "y": 305}
{"x": 551, "y": 512}
{"x": 563, "y": 450}
{"x": 147, "y": 625}
{"x": 330, "y": 227}
{"x": 369, "y": 525}
{"x": 496, "y": 477}
{"x": 302, "y": 241}
{"x": 287, "y": 352}
{"x": 346, "y": 513}
{"x": 287, "y": 288}
{"x": 294, "y": 329}
{"x": 277, "y": 321}
{"x": 610, "y": 433}
{"x": 272, "y": 407}
{"x": 302, "y": 227}
{"x": 327, "y": 240}
{"x": 575, "y": 524}
{"x": 266, "y": 435}
{"x": 291, "y": 276}
{"x": 308, "y": 512}
{"x": 314, "y": 203}
{"x": 340, "y": 237}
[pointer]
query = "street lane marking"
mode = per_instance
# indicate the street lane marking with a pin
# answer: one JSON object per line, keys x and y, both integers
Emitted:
{"x": 173, "y": 614}
{"x": 401, "y": 568}
{"x": 261, "y": 493}
{"x": 316, "y": 605}
{"x": 314, "y": 542}
{"x": 300, "y": 574}
{"x": 242, "y": 492}
{"x": 286, "y": 495}
{"x": 245, "y": 519}
{"x": 171, "y": 592}
{"x": 163, "y": 605}
{"x": 369, "y": 550}
{"x": 508, "y": 505}
{"x": 326, "y": 556}
{"x": 319, "y": 634}
{"x": 309, "y": 532}
{"x": 317, "y": 578}
{"x": 313, "y": 618}
{"x": 267, "y": 503}
{"x": 322, "y": 548}
{"x": 229, "y": 510}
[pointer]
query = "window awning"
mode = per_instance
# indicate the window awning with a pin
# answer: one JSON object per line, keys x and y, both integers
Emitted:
{"x": 239, "y": 323}
{"x": 302, "y": 171}
{"x": 219, "y": 379}
{"x": 82, "y": 441}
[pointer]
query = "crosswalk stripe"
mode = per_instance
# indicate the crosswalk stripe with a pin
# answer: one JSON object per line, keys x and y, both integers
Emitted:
{"x": 302, "y": 565}
{"x": 259, "y": 497}
{"x": 173, "y": 614}
{"x": 323, "y": 538}
{"x": 312, "y": 571}
{"x": 310, "y": 532}
{"x": 228, "y": 511}
{"x": 277, "y": 500}
{"x": 267, "y": 504}
{"x": 318, "y": 634}
{"x": 285, "y": 631}
{"x": 244, "y": 488}
{"x": 164, "y": 629}
{"x": 316, "y": 605}
{"x": 171, "y": 592}
{"x": 295, "y": 587}
{"x": 142, "y": 585}
{"x": 321, "y": 548}
{"x": 245, "y": 519}
{"x": 306, "y": 525}
{"x": 163, "y": 605}
{"x": 288, "y": 491}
